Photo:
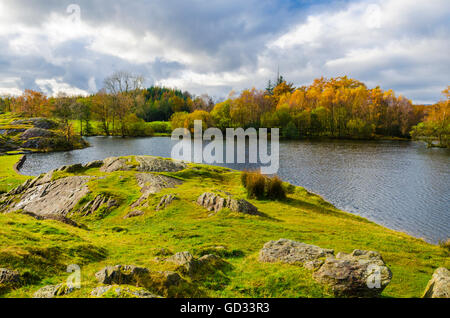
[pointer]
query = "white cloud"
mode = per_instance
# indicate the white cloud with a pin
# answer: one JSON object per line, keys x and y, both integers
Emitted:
{"x": 216, "y": 47}
{"x": 55, "y": 86}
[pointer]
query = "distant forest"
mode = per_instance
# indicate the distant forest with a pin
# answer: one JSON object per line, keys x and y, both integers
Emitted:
{"x": 336, "y": 108}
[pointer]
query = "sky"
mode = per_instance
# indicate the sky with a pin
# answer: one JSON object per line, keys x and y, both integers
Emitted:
{"x": 215, "y": 47}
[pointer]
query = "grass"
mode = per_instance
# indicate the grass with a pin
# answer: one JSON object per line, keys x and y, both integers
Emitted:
{"x": 43, "y": 249}
{"x": 157, "y": 128}
{"x": 9, "y": 178}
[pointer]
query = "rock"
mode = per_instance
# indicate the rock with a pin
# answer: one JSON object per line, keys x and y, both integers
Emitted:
{"x": 184, "y": 259}
{"x": 313, "y": 265}
{"x": 52, "y": 198}
{"x": 123, "y": 275}
{"x": 101, "y": 200}
{"x": 242, "y": 206}
{"x": 197, "y": 267}
{"x": 43, "y": 123}
{"x": 165, "y": 201}
{"x": 151, "y": 184}
{"x": 292, "y": 252}
{"x": 439, "y": 285}
{"x": 72, "y": 168}
{"x": 9, "y": 277}
{"x": 214, "y": 202}
{"x": 94, "y": 164}
{"x": 12, "y": 132}
{"x": 36, "y": 132}
{"x": 133, "y": 214}
{"x": 154, "y": 164}
{"x": 359, "y": 274}
{"x": 115, "y": 164}
{"x": 51, "y": 291}
{"x": 38, "y": 143}
{"x": 142, "y": 164}
{"x": 165, "y": 283}
{"x": 122, "y": 292}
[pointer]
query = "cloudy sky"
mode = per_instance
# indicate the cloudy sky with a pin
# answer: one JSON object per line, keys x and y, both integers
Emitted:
{"x": 217, "y": 46}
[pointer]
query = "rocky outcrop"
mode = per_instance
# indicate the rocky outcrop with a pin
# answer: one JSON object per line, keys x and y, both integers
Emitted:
{"x": 201, "y": 267}
{"x": 51, "y": 291}
{"x": 359, "y": 274}
{"x": 42, "y": 123}
{"x": 117, "y": 291}
{"x": 292, "y": 252}
{"x": 151, "y": 184}
{"x": 101, "y": 200}
{"x": 43, "y": 197}
{"x": 165, "y": 201}
{"x": 164, "y": 283}
{"x": 37, "y": 132}
{"x": 215, "y": 203}
{"x": 439, "y": 285}
{"x": 142, "y": 164}
{"x": 9, "y": 278}
{"x": 123, "y": 274}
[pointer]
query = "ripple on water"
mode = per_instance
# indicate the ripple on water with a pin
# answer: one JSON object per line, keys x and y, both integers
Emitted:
{"x": 402, "y": 185}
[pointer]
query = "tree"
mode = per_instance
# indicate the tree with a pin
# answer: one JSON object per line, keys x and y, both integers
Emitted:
{"x": 82, "y": 112}
{"x": 102, "y": 111}
{"x": 63, "y": 110}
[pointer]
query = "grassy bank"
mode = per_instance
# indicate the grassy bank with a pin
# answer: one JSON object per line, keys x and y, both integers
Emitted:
{"x": 9, "y": 178}
{"x": 43, "y": 249}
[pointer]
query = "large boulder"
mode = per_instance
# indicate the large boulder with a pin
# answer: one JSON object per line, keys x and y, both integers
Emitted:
{"x": 292, "y": 252}
{"x": 359, "y": 274}
{"x": 215, "y": 203}
{"x": 439, "y": 285}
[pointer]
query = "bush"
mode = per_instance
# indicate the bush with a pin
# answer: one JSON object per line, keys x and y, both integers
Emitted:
{"x": 255, "y": 185}
{"x": 160, "y": 126}
{"x": 275, "y": 189}
{"x": 259, "y": 186}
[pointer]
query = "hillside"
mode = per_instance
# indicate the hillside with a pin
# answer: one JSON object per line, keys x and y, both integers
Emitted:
{"x": 111, "y": 212}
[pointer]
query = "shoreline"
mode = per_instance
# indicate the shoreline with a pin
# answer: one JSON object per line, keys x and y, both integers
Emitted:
{"x": 22, "y": 160}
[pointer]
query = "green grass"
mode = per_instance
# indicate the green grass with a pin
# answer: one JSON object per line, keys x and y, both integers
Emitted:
{"x": 158, "y": 128}
{"x": 43, "y": 249}
{"x": 9, "y": 178}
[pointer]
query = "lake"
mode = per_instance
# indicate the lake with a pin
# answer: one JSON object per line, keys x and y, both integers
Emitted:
{"x": 401, "y": 185}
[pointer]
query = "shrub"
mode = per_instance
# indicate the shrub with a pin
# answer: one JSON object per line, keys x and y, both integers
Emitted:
{"x": 255, "y": 185}
{"x": 160, "y": 126}
{"x": 259, "y": 186}
{"x": 275, "y": 189}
